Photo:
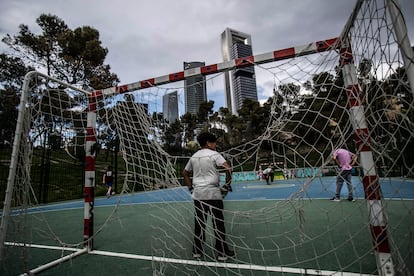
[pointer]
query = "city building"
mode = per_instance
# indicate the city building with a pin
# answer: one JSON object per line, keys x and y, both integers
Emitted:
{"x": 170, "y": 106}
{"x": 194, "y": 89}
{"x": 239, "y": 83}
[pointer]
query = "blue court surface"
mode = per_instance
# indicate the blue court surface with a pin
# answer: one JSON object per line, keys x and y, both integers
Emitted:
{"x": 127, "y": 240}
{"x": 324, "y": 187}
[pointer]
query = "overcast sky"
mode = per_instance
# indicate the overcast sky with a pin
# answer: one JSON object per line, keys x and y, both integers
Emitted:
{"x": 147, "y": 39}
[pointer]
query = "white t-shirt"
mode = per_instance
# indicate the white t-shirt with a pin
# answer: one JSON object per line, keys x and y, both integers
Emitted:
{"x": 267, "y": 171}
{"x": 206, "y": 176}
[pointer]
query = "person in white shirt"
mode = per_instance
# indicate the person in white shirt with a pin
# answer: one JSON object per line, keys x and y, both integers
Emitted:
{"x": 207, "y": 194}
{"x": 267, "y": 174}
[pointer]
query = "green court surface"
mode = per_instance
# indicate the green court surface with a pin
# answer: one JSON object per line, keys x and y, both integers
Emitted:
{"x": 140, "y": 239}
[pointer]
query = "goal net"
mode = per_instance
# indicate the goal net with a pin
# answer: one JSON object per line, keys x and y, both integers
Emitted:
{"x": 353, "y": 92}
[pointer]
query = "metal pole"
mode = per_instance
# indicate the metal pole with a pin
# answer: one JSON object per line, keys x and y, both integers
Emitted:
{"x": 116, "y": 164}
{"x": 20, "y": 135}
{"x": 403, "y": 40}
{"x": 372, "y": 188}
{"x": 56, "y": 262}
{"x": 14, "y": 158}
{"x": 89, "y": 187}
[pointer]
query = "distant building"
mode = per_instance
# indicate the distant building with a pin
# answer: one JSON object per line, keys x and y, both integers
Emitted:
{"x": 240, "y": 83}
{"x": 194, "y": 89}
{"x": 170, "y": 106}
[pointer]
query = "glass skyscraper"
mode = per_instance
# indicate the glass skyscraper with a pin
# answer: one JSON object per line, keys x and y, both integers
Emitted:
{"x": 239, "y": 83}
{"x": 194, "y": 89}
{"x": 170, "y": 106}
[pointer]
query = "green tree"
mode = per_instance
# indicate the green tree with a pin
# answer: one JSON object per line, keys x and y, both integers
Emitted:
{"x": 173, "y": 138}
{"x": 234, "y": 127}
{"x": 73, "y": 56}
{"x": 12, "y": 72}
{"x": 255, "y": 118}
{"x": 189, "y": 122}
{"x": 205, "y": 109}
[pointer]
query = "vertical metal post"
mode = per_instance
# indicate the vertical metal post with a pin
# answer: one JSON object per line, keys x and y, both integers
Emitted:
{"x": 116, "y": 164}
{"x": 372, "y": 189}
{"x": 403, "y": 40}
{"x": 18, "y": 135}
{"x": 89, "y": 187}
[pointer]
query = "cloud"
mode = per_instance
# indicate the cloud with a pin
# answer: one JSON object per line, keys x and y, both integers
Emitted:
{"x": 148, "y": 39}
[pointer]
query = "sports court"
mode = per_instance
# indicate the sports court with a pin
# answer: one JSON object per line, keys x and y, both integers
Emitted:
{"x": 335, "y": 232}
{"x": 353, "y": 91}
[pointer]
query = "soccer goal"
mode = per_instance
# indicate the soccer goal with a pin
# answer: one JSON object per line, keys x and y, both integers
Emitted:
{"x": 355, "y": 91}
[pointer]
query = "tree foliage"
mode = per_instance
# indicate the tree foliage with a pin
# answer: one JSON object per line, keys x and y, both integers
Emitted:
{"x": 12, "y": 72}
{"x": 72, "y": 56}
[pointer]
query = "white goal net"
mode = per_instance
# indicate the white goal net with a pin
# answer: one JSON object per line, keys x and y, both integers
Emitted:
{"x": 353, "y": 92}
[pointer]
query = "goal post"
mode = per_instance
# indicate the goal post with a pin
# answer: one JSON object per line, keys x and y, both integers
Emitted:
{"x": 90, "y": 174}
{"x": 403, "y": 40}
{"x": 19, "y": 187}
{"x": 13, "y": 164}
{"x": 372, "y": 189}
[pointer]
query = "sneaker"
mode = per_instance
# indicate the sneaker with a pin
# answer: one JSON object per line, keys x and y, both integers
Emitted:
{"x": 336, "y": 199}
{"x": 226, "y": 255}
{"x": 350, "y": 198}
{"x": 224, "y": 191}
{"x": 197, "y": 252}
{"x": 197, "y": 255}
{"x": 230, "y": 253}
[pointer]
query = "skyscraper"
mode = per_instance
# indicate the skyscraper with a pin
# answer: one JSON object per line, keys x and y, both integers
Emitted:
{"x": 194, "y": 89}
{"x": 239, "y": 83}
{"x": 170, "y": 106}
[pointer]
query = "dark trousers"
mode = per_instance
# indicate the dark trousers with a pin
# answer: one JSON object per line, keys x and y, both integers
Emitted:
{"x": 344, "y": 176}
{"x": 267, "y": 177}
{"x": 272, "y": 176}
{"x": 202, "y": 209}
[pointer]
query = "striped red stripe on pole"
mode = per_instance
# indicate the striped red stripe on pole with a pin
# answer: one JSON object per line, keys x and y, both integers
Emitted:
{"x": 372, "y": 189}
{"x": 89, "y": 185}
{"x": 315, "y": 47}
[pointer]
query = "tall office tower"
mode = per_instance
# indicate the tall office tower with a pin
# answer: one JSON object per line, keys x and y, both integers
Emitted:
{"x": 170, "y": 106}
{"x": 240, "y": 83}
{"x": 194, "y": 89}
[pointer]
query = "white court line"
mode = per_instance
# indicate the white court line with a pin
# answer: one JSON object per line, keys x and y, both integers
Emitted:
{"x": 272, "y": 186}
{"x": 302, "y": 271}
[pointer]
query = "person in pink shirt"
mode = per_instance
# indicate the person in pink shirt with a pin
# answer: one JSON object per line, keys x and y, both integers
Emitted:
{"x": 345, "y": 160}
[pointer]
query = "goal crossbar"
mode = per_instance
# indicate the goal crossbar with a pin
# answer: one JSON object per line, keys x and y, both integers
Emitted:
{"x": 277, "y": 55}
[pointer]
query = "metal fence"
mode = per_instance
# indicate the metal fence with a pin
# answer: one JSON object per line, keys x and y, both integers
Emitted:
{"x": 54, "y": 176}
